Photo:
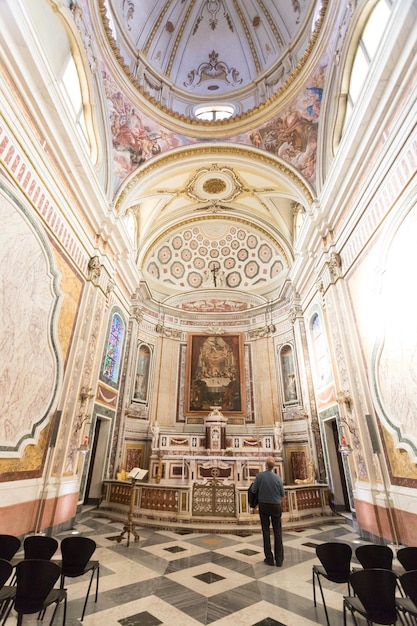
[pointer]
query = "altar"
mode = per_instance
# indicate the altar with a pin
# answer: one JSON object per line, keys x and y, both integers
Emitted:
{"x": 202, "y": 478}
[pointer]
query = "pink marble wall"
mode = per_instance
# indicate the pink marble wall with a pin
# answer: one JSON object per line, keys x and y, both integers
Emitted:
{"x": 376, "y": 520}
{"x": 21, "y": 518}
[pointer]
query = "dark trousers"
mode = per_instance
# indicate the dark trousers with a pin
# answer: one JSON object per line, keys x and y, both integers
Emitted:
{"x": 272, "y": 513}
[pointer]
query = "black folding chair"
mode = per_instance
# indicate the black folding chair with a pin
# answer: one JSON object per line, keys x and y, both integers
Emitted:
{"x": 335, "y": 566}
{"x": 374, "y": 597}
{"x": 7, "y": 592}
{"x": 408, "y": 604}
{"x": 76, "y": 553}
{"x": 40, "y": 547}
{"x": 408, "y": 558}
{"x": 35, "y": 580}
{"x": 37, "y": 547}
{"x": 374, "y": 556}
{"x": 9, "y": 545}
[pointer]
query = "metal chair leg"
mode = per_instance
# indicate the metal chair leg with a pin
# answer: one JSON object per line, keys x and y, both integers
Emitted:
{"x": 88, "y": 590}
{"x": 322, "y": 597}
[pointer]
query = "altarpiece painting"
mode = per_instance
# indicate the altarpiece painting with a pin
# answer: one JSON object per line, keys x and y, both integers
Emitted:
{"x": 215, "y": 374}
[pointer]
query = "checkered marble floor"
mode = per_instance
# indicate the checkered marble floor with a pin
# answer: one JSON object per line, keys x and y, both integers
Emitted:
{"x": 174, "y": 578}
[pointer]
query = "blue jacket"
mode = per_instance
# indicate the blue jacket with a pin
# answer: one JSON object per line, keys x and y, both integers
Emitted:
{"x": 269, "y": 487}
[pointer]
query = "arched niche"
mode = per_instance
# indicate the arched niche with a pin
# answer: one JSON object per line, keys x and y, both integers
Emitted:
{"x": 288, "y": 375}
{"x": 142, "y": 373}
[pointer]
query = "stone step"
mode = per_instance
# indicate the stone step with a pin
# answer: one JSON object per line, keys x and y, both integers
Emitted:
{"x": 226, "y": 526}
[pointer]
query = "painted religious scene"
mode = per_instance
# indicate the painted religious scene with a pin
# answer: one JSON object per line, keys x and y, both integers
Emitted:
{"x": 214, "y": 373}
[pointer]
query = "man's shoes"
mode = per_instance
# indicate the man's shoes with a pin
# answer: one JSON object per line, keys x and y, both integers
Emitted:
{"x": 268, "y": 561}
{"x": 278, "y": 564}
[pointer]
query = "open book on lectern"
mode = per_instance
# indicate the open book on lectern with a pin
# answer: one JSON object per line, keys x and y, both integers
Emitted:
{"x": 137, "y": 473}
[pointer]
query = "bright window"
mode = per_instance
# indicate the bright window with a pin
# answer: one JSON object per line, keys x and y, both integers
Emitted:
{"x": 71, "y": 88}
{"x": 321, "y": 356}
{"x": 212, "y": 112}
{"x": 367, "y": 48}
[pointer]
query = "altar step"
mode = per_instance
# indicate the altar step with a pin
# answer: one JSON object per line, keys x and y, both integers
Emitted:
{"x": 210, "y": 525}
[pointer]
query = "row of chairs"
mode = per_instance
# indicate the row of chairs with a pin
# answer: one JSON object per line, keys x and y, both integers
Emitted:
{"x": 374, "y": 585}
{"x": 36, "y": 574}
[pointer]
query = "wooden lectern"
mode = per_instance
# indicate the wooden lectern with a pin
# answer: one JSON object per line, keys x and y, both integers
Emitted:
{"x": 129, "y": 528}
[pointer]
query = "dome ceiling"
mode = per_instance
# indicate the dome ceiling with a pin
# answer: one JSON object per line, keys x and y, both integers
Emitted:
{"x": 184, "y": 53}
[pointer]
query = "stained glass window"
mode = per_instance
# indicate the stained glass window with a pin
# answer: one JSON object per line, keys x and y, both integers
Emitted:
{"x": 113, "y": 351}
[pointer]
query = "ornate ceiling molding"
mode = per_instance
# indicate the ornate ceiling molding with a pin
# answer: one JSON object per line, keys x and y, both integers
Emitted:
{"x": 214, "y": 184}
{"x": 214, "y": 152}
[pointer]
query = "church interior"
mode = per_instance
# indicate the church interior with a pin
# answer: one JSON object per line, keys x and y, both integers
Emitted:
{"x": 216, "y": 202}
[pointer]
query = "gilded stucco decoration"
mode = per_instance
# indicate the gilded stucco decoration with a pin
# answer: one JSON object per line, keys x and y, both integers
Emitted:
{"x": 214, "y": 183}
{"x": 212, "y": 71}
{"x": 214, "y": 186}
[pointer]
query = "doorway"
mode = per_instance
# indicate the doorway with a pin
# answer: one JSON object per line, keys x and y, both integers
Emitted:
{"x": 96, "y": 470}
{"x": 336, "y": 471}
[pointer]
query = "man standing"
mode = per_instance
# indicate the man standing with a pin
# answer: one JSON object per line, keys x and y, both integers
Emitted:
{"x": 268, "y": 485}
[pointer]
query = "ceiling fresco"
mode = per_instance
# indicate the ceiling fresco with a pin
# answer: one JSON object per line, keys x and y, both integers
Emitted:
{"x": 290, "y": 135}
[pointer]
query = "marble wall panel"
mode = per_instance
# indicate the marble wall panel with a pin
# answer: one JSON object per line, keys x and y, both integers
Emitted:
{"x": 31, "y": 359}
{"x": 386, "y": 310}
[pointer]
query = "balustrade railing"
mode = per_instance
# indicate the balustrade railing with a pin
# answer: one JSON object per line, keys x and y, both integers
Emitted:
{"x": 212, "y": 498}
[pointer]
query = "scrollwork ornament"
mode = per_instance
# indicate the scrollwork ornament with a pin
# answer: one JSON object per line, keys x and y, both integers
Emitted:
{"x": 264, "y": 331}
{"x": 165, "y": 331}
{"x": 292, "y": 315}
{"x": 85, "y": 35}
{"x": 344, "y": 397}
{"x": 335, "y": 265}
{"x": 110, "y": 286}
{"x": 137, "y": 313}
{"x": 94, "y": 268}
